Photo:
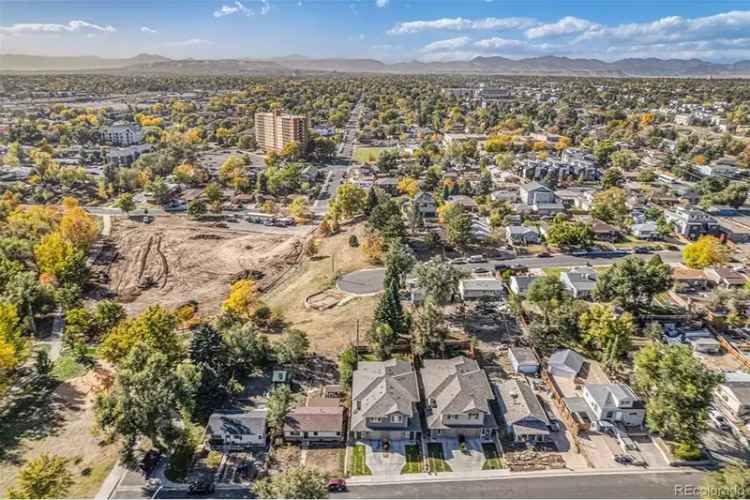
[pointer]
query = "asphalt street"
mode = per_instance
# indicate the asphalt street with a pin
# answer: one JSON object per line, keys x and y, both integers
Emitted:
{"x": 563, "y": 260}
{"x": 646, "y": 485}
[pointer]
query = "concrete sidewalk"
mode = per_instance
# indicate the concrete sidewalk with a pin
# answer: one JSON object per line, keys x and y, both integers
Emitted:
{"x": 500, "y": 474}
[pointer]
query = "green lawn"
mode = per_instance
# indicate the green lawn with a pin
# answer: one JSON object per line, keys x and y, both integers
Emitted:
{"x": 66, "y": 367}
{"x": 436, "y": 458}
{"x": 364, "y": 154}
{"x": 493, "y": 460}
{"x": 358, "y": 466}
{"x": 413, "y": 459}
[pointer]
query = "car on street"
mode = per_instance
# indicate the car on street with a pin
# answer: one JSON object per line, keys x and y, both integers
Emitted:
{"x": 642, "y": 250}
{"x": 201, "y": 486}
{"x": 337, "y": 485}
{"x": 480, "y": 270}
{"x": 459, "y": 260}
{"x": 543, "y": 255}
{"x": 477, "y": 259}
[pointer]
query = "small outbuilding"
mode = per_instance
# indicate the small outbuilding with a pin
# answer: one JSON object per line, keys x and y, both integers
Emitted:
{"x": 565, "y": 363}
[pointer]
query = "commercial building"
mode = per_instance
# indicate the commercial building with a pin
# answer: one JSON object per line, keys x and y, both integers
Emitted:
{"x": 274, "y": 130}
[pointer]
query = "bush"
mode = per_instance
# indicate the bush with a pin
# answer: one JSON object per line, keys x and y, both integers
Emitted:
{"x": 687, "y": 451}
{"x": 213, "y": 459}
{"x": 353, "y": 241}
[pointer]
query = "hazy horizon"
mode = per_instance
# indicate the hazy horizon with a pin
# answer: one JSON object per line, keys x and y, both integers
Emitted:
{"x": 386, "y": 30}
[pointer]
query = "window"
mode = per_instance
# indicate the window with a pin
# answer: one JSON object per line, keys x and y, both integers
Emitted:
{"x": 396, "y": 418}
{"x": 315, "y": 433}
{"x": 473, "y": 416}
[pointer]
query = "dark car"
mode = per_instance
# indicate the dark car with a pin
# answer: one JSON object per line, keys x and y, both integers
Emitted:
{"x": 149, "y": 461}
{"x": 336, "y": 485}
{"x": 642, "y": 250}
{"x": 201, "y": 487}
{"x": 623, "y": 459}
{"x": 544, "y": 254}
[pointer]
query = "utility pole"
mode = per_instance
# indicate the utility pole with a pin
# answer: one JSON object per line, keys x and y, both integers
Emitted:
{"x": 356, "y": 346}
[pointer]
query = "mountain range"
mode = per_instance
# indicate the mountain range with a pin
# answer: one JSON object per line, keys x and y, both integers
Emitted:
{"x": 546, "y": 65}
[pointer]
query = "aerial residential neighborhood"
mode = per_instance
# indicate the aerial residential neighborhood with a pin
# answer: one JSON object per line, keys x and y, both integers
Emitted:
{"x": 375, "y": 249}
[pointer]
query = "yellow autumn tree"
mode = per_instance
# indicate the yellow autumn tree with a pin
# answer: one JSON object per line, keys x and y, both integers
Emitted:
{"x": 52, "y": 253}
{"x": 408, "y": 186}
{"x": 242, "y": 298}
{"x": 299, "y": 209}
{"x": 14, "y": 347}
{"x": 706, "y": 251}
{"x": 78, "y": 226}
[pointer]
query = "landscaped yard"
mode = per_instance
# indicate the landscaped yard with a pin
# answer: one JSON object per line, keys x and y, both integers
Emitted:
{"x": 492, "y": 459}
{"x": 358, "y": 466}
{"x": 436, "y": 458}
{"x": 413, "y": 459}
{"x": 364, "y": 154}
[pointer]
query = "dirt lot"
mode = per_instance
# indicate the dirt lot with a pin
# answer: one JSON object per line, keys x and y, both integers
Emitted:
{"x": 327, "y": 460}
{"x": 175, "y": 260}
{"x": 60, "y": 422}
{"x": 330, "y": 330}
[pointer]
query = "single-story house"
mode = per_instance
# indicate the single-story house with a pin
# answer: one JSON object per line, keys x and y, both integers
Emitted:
{"x": 237, "y": 429}
{"x": 702, "y": 341}
{"x": 580, "y": 281}
{"x": 604, "y": 232}
{"x": 565, "y": 363}
{"x": 315, "y": 423}
{"x": 645, "y": 230}
{"x": 687, "y": 279}
{"x": 523, "y": 360}
{"x": 470, "y": 289}
{"x": 524, "y": 417}
{"x": 520, "y": 284}
{"x": 725, "y": 277}
{"x": 522, "y": 235}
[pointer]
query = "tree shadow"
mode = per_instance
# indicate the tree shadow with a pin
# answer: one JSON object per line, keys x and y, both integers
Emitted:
{"x": 316, "y": 370}
{"x": 32, "y": 410}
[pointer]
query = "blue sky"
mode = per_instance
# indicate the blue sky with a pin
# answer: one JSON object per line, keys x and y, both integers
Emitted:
{"x": 390, "y": 30}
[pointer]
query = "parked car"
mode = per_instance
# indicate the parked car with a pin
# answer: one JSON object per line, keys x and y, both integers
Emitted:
{"x": 544, "y": 254}
{"x": 481, "y": 270}
{"x": 151, "y": 486}
{"x": 477, "y": 259}
{"x": 624, "y": 459}
{"x": 459, "y": 260}
{"x": 642, "y": 250}
{"x": 201, "y": 486}
{"x": 336, "y": 485}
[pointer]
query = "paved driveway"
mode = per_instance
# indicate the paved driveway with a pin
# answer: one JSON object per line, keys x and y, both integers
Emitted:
{"x": 385, "y": 463}
{"x": 470, "y": 459}
{"x": 364, "y": 282}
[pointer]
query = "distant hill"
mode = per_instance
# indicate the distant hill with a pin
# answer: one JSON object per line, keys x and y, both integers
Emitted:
{"x": 20, "y": 62}
{"x": 545, "y": 65}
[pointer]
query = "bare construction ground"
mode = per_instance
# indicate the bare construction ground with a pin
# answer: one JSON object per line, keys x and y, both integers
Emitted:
{"x": 175, "y": 260}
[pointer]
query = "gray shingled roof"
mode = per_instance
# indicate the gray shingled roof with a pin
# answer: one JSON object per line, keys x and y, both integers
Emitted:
{"x": 609, "y": 395}
{"x": 237, "y": 422}
{"x": 520, "y": 406}
{"x": 457, "y": 386}
{"x": 568, "y": 359}
{"x": 382, "y": 388}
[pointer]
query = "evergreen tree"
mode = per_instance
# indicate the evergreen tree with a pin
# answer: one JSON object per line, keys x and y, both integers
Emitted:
{"x": 390, "y": 311}
{"x": 372, "y": 201}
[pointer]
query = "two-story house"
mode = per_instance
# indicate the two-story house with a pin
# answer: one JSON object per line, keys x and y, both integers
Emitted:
{"x": 691, "y": 222}
{"x": 425, "y": 204}
{"x": 457, "y": 398}
{"x": 732, "y": 396}
{"x": 615, "y": 403}
{"x": 384, "y": 401}
{"x": 540, "y": 198}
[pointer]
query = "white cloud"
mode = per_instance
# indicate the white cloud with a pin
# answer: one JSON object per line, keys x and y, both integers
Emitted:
{"x": 565, "y": 26}
{"x": 449, "y": 44}
{"x": 499, "y": 43}
{"x": 462, "y": 24}
{"x": 190, "y": 42}
{"x": 237, "y": 8}
{"x": 150, "y": 31}
{"x": 71, "y": 27}
{"x": 381, "y": 3}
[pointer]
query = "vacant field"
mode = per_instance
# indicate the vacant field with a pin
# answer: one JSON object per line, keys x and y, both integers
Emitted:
{"x": 175, "y": 260}
{"x": 364, "y": 154}
{"x": 329, "y": 461}
{"x": 59, "y": 419}
{"x": 330, "y": 330}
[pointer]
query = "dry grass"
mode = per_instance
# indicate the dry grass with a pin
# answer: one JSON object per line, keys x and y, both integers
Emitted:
{"x": 330, "y": 330}
{"x": 329, "y": 461}
{"x": 72, "y": 437}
